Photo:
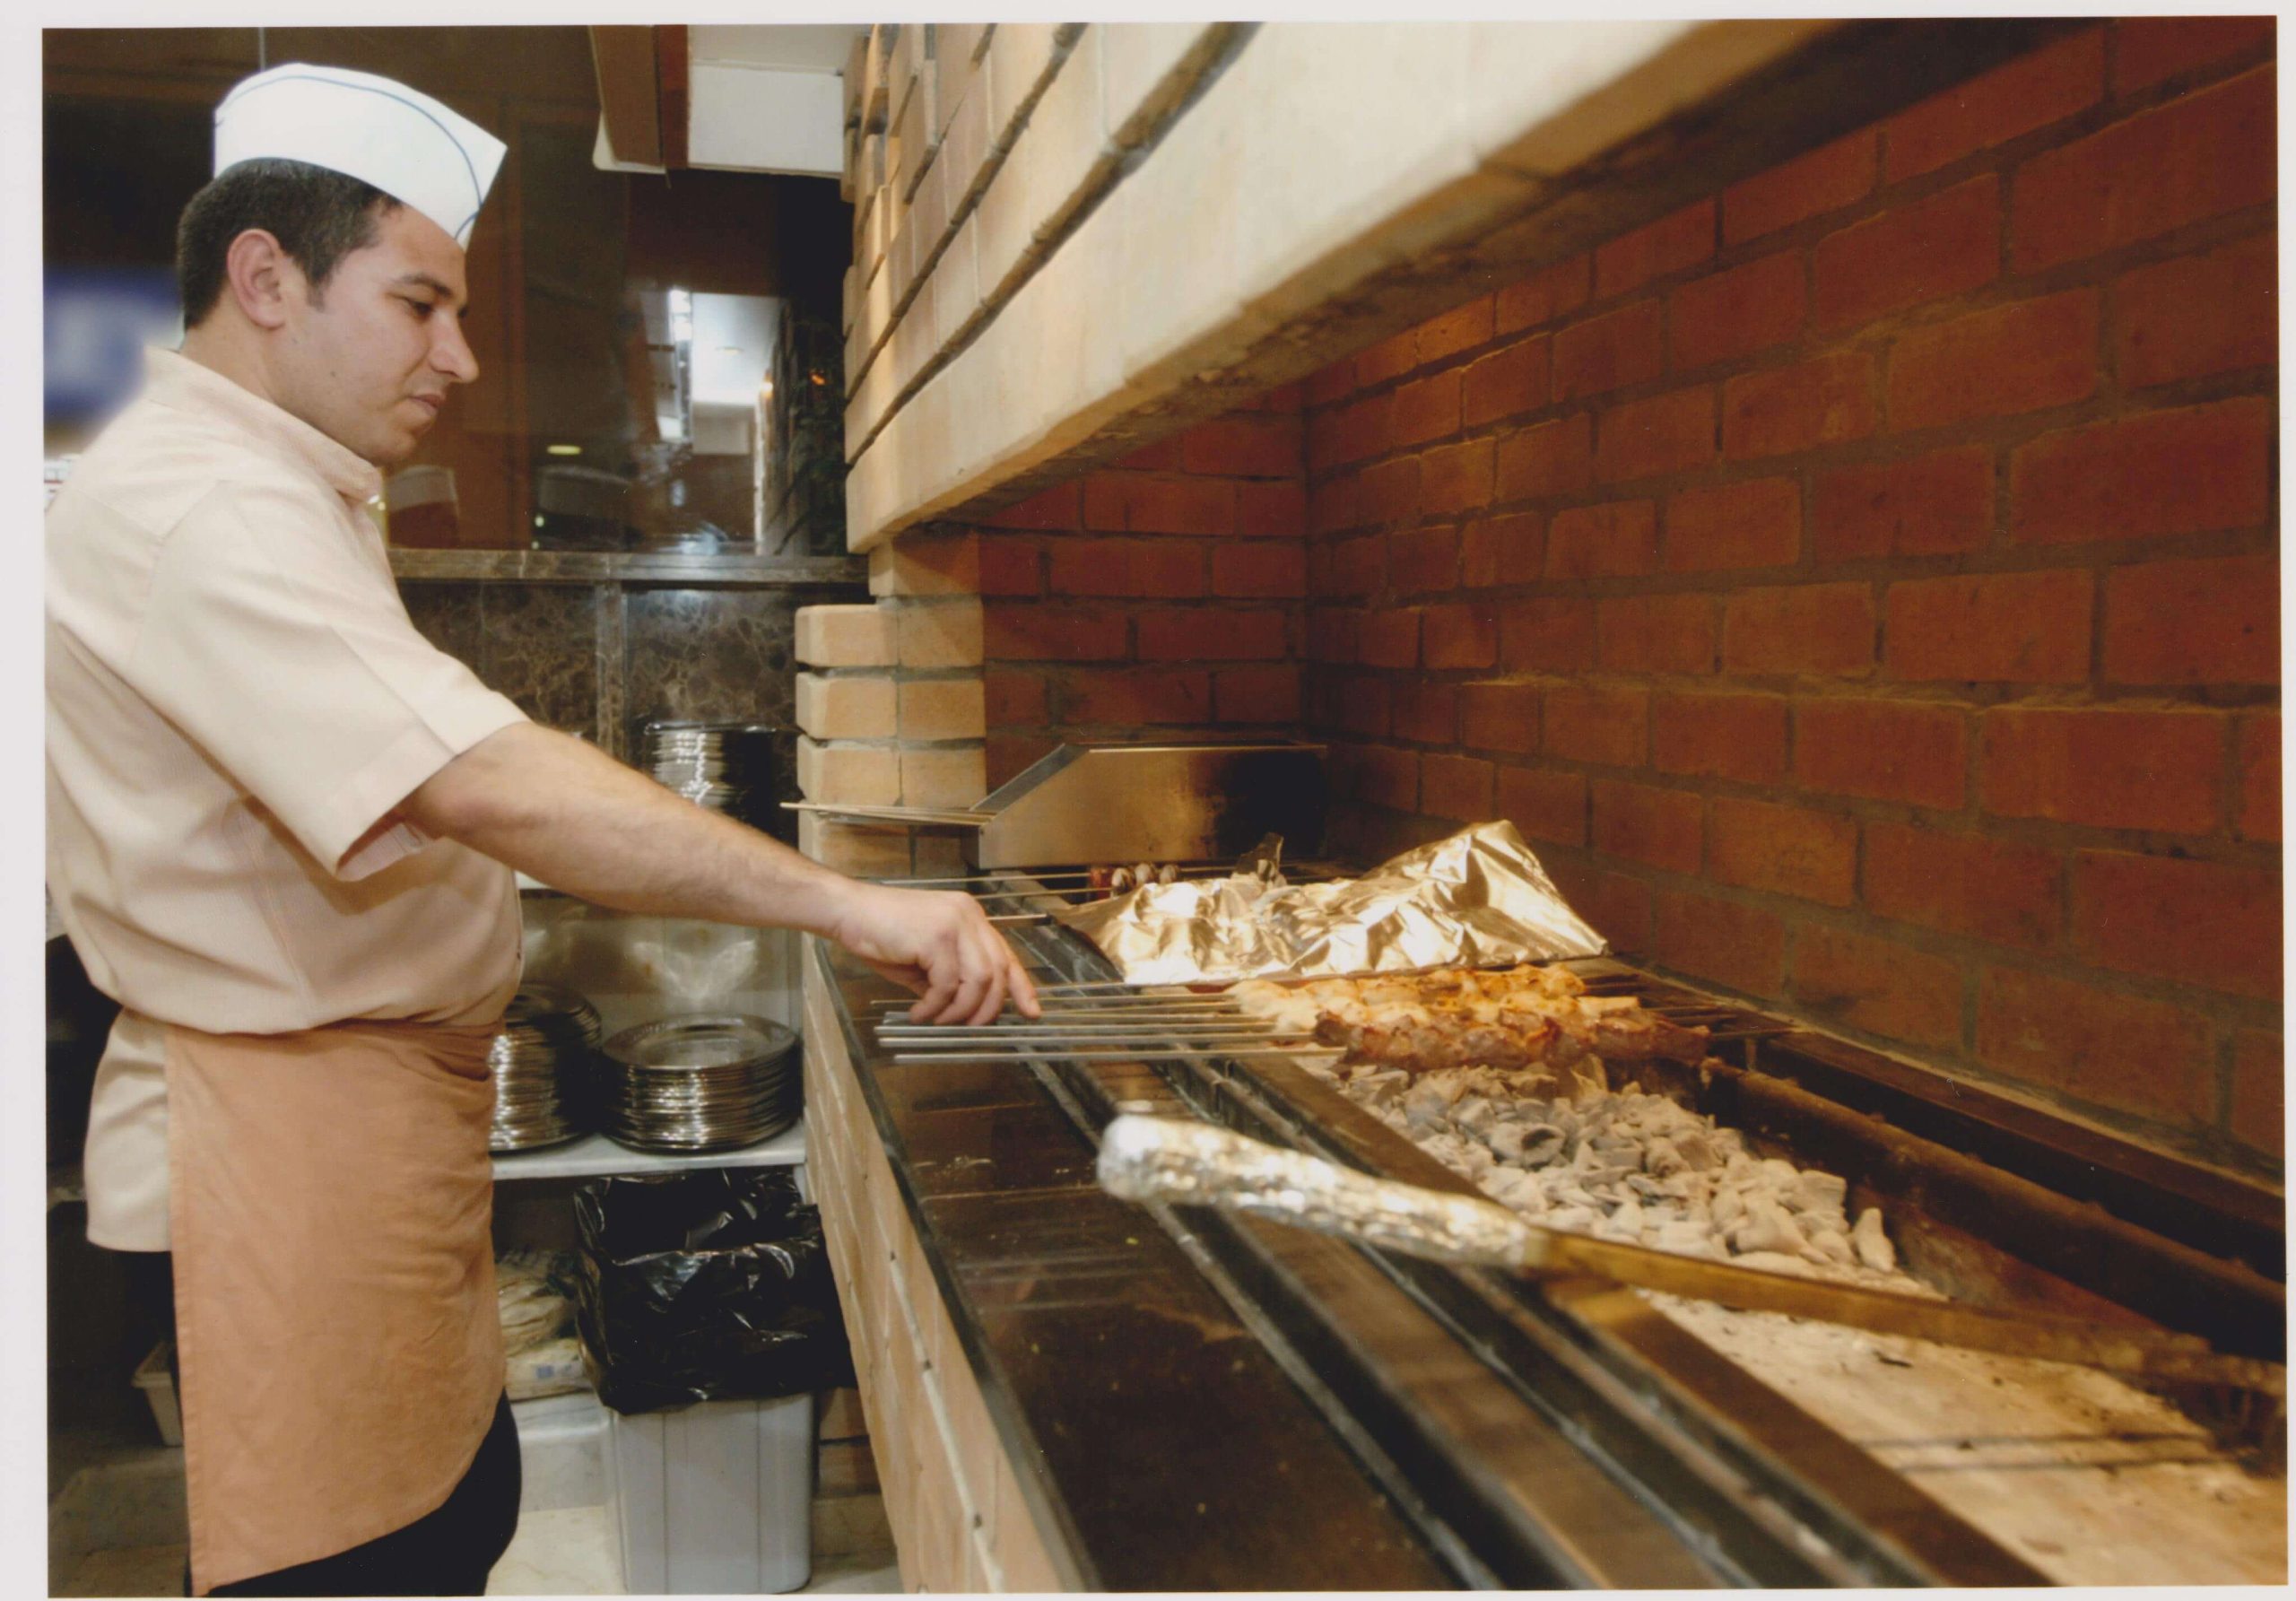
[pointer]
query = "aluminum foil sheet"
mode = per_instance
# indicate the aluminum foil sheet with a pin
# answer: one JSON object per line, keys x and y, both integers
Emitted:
{"x": 1477, "y": 899}
{"x": 1175, "y": 1162}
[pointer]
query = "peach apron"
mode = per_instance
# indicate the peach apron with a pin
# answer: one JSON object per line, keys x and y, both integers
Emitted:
{"x": 341, "y": 1352}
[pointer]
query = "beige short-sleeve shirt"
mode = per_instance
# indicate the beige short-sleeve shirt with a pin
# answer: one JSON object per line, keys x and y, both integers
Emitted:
{"x": 236, "y": 700}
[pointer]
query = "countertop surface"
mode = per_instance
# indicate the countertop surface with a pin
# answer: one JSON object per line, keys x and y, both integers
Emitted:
{"x": 1157, "y": 1437}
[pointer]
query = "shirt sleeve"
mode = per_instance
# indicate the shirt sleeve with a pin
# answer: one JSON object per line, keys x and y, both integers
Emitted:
{"x": 282, "y": 649}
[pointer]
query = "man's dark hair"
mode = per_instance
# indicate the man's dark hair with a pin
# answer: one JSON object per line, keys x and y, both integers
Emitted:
{"x": 318, "y": 217}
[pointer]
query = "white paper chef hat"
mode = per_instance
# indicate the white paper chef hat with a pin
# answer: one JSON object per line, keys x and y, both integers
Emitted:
{"x": 406, "y": 145}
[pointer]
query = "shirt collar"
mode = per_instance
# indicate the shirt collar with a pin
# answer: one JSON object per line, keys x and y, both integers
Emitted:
{"x": 175, "y": 379}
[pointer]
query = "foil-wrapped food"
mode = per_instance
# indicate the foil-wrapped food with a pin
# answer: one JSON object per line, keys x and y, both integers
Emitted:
{"x": 1477, "y": 899}
{"x": 1177, "y": 1161}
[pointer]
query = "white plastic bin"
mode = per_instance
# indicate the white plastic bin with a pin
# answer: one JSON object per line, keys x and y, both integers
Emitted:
{"x": 159, "y": 1387}
{"x": 714, "y": 1500}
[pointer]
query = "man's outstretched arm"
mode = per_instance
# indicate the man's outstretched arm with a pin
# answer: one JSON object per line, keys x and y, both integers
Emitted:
{"x": 560, "y": 811}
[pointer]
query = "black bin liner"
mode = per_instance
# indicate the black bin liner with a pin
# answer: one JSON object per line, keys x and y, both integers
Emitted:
{"x": 706, "y": 1286}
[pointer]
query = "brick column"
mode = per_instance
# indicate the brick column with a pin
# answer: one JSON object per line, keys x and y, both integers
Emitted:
{"x": 891, "y": 704}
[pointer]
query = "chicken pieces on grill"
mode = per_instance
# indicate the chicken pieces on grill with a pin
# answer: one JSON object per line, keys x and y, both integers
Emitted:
{"x": 1521, "y": 1017}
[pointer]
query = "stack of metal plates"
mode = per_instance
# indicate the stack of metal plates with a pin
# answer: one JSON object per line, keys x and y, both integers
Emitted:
{"x": 699, "y": 1081}
{"x": 744, "y": 769}
{"x": 542, "y": 1059}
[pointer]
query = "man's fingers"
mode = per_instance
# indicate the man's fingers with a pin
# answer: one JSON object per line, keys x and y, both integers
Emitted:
{"x": 967, "y": 1000}
{"x": 907, "y": 974}
{"x": 965, "y": 969}
{"x": 941, "y": 984}
{"x": 992, "y": 998}
{"x": 1022, "y": 988}
{"x": 955, "y": 979}
{"x": 995, "y": 958}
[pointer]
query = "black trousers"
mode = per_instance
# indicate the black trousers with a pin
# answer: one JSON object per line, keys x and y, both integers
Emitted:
{"x": 449, "y": 1553}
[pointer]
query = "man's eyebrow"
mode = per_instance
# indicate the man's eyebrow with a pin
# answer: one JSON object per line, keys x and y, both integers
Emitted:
{"x": 425, "y": 281}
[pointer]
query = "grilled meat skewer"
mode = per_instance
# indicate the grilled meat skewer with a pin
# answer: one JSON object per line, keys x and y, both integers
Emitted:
{"x": 1423, "y": 1047}
{"x": 1519, "y": 1018}
{"x": 1642, "y": 1037}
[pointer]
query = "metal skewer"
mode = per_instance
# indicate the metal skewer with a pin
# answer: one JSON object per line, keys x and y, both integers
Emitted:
{"x": 1059, "y": 895}
{"x": 1135, "y": 998}
{"x": 1055, "y": 1022}
{"x": 1085, "y": 986}
{"x": 1021, "y": 1049}
{"x": 961, "y": 1035}
{"x": 1089, "y": 1014}
{"x": 1130, "y": 1022}
{"x": 1135, "y": 1023}
{"x": 1154, "y": 1005}
{"x": 966, "y": 880}
{"x": 1146, "y": 1003}
{"x": 1062, "y": 877}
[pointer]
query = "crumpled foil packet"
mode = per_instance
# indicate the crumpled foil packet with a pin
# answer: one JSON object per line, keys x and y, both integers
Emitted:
{"x": 1477, "y": 899}
{"x": 1177, "y": 1161}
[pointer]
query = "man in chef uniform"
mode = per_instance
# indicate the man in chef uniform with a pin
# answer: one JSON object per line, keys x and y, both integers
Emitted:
{"x": 282, "y": 831}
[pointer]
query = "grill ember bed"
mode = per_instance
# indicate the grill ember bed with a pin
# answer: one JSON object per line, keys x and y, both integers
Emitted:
{"x": 1572, "y": 1432}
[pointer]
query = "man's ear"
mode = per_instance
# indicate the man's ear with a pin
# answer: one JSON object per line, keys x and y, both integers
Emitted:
{"x": 263, "y": 276}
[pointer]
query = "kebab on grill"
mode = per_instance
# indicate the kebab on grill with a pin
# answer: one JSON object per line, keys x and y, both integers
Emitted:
{"x": 1522, "y": 1017}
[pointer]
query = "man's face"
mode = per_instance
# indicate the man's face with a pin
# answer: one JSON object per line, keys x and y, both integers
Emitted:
{"x": 369, "y": 361}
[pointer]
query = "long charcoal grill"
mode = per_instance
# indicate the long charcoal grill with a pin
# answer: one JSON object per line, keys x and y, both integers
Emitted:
{"x": 1567, "y": 1433}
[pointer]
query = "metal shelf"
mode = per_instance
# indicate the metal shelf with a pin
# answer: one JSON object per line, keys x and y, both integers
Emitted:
{"x": 595, "y": 1156}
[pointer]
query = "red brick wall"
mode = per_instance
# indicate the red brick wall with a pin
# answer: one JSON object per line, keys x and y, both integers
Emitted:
{"x": 1863, "y": 583}
{"x": 1157, "y": 598}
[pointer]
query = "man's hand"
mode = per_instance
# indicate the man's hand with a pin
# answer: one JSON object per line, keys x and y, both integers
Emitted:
{"x": 939, "y": 943}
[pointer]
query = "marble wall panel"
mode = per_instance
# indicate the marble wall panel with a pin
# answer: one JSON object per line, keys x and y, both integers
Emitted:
{"x": 711, "y": 653}
{"x": 541, "y": 648}
{"x": 447, "y": 614}
{"x": 536, "y": 643}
